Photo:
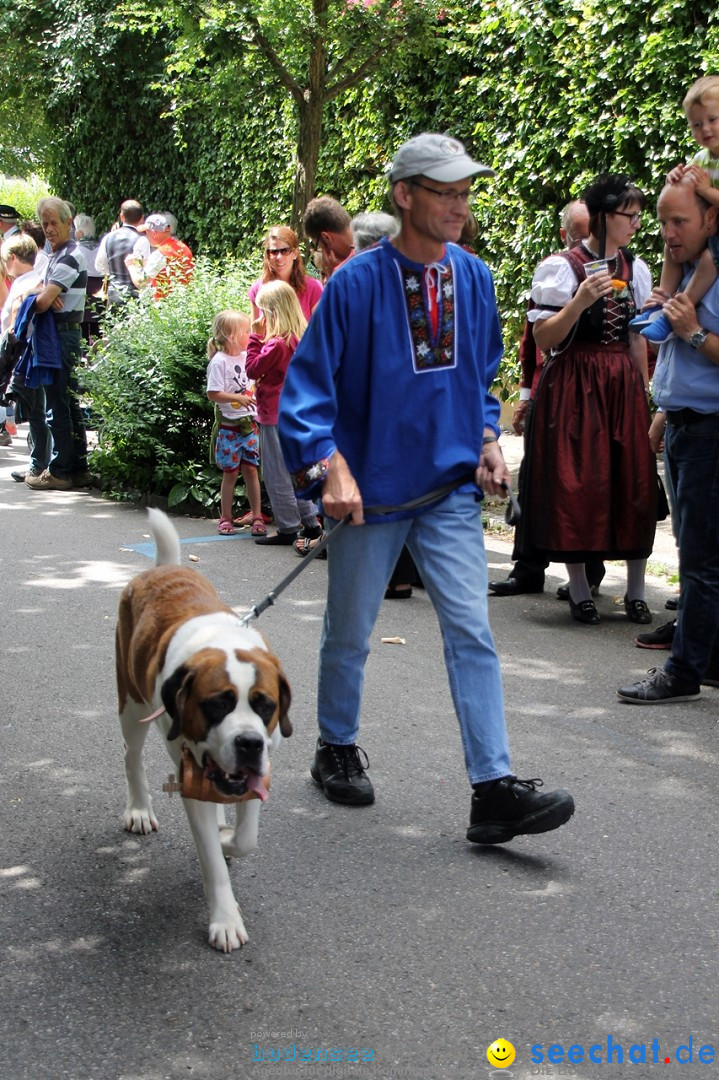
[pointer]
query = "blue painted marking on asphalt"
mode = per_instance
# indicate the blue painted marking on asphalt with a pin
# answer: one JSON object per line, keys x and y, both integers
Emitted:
{"x": 147, "y": 548}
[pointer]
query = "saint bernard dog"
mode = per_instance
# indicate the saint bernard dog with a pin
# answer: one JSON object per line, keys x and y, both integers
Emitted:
{"x": 218, "y": 693}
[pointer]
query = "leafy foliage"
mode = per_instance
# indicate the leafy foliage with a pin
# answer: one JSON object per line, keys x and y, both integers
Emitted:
{"x": 147, "y": 387}
{"x": 24, "y": 195}
{"x": 200, "y": 109}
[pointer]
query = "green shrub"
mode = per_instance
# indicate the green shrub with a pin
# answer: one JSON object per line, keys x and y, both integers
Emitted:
{"x": 146, "y": 386}
{"x": 23, "y": 194}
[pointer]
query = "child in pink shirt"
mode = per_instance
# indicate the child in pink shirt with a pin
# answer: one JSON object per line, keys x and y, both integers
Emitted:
{"x": 269, "y": 351}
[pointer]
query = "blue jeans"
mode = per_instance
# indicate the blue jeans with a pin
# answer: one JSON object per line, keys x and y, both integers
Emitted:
{"x": 447, "y": 544}
{"x": 692, "y": 462}
{"x": 65, "y": 418}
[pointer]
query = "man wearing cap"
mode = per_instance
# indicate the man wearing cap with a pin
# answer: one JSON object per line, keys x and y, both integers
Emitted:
{"x": 170, "y": 263}
{"x": 387, "y": 404}
{"x": 9, "y": 218}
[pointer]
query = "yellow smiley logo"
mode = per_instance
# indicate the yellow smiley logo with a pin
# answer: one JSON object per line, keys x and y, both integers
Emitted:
{"x": 500, "y": 1054}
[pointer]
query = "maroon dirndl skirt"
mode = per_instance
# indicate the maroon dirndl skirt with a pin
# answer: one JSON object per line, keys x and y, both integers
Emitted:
{"x": 590, "y": 478}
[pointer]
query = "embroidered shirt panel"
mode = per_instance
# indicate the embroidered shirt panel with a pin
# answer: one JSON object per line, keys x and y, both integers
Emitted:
{"x": 430, "y": 349}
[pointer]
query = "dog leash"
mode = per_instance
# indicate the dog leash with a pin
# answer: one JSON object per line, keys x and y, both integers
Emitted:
{"x": 512, "y": 517}
{"x": 414, "y": 504}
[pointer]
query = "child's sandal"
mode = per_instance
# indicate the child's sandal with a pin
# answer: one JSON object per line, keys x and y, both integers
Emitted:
{"x": 258, "y": 527}
{"x": 226, "y": 528}
{"x": 247, "y": 519}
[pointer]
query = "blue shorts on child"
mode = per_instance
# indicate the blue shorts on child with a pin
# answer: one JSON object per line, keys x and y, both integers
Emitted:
{"x": 234, "y": 446}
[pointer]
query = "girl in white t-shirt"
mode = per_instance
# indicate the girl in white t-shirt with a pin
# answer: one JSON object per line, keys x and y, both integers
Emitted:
{"x": 237, "y": 447}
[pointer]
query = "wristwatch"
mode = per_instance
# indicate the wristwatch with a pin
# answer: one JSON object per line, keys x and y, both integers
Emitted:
{"x": 697, "y": 339}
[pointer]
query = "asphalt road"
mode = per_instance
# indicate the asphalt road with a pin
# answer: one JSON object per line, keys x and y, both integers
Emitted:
{"x": 378, "y": 930}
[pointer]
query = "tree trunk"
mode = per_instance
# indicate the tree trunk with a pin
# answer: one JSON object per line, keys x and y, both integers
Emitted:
{"x": 310, "y": 111}
{"x": 308, "y": 152}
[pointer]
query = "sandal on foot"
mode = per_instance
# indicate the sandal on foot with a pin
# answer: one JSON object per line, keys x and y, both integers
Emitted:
{"x": 305, "y": 544}
{"x": 258, "y": 527}
{"x": 248, "y": 518}
{"x": 226, "y": 528}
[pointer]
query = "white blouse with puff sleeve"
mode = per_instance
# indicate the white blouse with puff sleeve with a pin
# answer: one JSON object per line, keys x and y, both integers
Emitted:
{"x": 555, "y": 283}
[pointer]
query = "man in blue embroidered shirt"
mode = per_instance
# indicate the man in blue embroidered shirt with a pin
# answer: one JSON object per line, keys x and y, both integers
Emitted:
{"x": 686, "y": 391}
{"x": 386, "y": 400}
{"x": 63, "y": 292}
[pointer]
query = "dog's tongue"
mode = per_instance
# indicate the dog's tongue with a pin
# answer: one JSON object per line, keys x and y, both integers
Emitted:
{"x": 256, "y": 783}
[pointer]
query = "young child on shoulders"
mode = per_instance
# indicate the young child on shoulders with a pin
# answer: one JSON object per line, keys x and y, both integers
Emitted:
{"x": 236, "y": 447}
{"x": 701, "y": 107}
{"x": 269, "y": 352}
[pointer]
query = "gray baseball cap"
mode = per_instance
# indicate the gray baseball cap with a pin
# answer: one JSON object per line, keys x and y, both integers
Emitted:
{"x": 438, "y": 157}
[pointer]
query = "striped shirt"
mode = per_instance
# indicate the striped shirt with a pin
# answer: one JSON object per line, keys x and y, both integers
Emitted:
{"x": 67, "y": 268}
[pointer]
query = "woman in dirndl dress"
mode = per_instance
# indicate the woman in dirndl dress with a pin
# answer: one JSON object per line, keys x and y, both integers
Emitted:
{"x": 590, "y": 488}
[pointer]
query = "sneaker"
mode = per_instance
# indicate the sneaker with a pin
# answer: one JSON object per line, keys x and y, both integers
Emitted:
{"x": 5, "y": 438}
{"x": 658, "y": 330}
{"x": 19, "y": 475}
{"x": 661, "y": 688}
{"x": 661, "y": 638}
{"x": 510, "y": 807}
{"x": 712, "y": 676}
{"x": 341, "y": 774}
{"x": 46, "y": 481}
{"x": 643, "y": 319}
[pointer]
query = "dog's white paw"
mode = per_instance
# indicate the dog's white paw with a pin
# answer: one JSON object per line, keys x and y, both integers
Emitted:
{"x": 140, "y": 820}
{"x": 234, "y": 847}
{"x": 228, "y": 934}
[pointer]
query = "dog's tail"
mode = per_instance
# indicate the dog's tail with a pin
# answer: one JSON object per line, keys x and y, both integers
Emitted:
{"x": 167, "y": 542}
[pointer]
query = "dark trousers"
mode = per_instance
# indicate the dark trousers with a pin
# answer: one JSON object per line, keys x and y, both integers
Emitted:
{"x": 692, "y": 465}
{"x": 65, "y": 418}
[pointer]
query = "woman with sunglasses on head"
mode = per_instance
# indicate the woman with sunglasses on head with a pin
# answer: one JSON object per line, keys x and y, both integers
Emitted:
{"x": 590, "y": 488}
{"x": 283, "y": 262}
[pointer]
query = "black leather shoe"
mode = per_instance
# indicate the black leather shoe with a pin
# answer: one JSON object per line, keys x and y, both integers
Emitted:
{"x": 511, "y": 807}
{"x": 585, "y": 612}
{"x": 671, "y": 604}
{"x": 513, "y": 586}
{"x": 563, "y": 591}
{"x": 277, "y": 539}
{"x": 341, "y": 774}
{"x": 637, "y": 610}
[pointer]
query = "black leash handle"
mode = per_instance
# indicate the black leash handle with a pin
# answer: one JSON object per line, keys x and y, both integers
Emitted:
{"x": 514, "y": 511}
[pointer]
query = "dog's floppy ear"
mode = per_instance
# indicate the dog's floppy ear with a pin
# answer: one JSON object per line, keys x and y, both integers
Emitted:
{"x": 284, "y": 704}
{"x": 174, "y": 697}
